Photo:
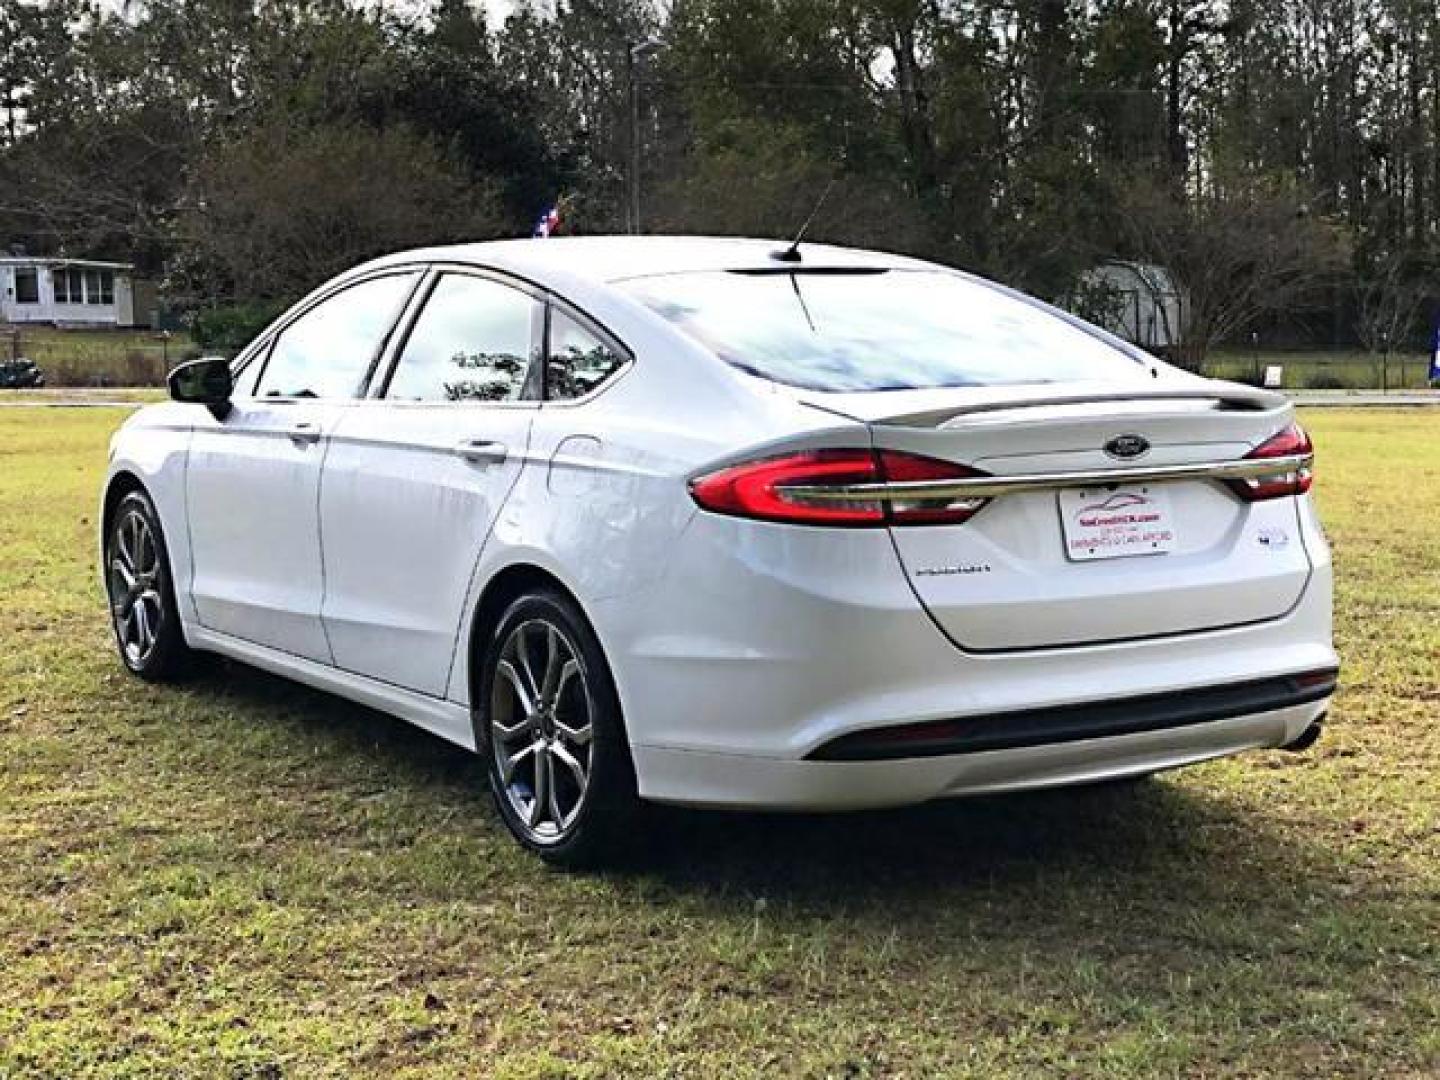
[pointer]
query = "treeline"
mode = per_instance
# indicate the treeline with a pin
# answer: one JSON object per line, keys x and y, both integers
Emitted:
{"x": 1278, "y": 156}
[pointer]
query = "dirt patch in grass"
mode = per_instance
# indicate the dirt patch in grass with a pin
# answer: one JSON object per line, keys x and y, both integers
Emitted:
{"x": 243, "y": 878}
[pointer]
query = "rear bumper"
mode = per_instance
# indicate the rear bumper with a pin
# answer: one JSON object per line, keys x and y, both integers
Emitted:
{"x": 763, "y": 644}
{"x": 740, "y": 782}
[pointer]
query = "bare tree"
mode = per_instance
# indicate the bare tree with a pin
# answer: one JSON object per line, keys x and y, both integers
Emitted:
{"x": 1240, "y": 253}
{"x": 1389, "y": 300}
{"x": 275, "y": 211}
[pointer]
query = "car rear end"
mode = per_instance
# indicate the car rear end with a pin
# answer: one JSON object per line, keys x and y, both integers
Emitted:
{"x": 1012, "y": 583}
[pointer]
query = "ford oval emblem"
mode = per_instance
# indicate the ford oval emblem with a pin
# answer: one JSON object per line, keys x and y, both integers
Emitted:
{"x": 1128, "y": 447}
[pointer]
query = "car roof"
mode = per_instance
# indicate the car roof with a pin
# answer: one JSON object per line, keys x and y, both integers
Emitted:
{"x": 615, "y": 258}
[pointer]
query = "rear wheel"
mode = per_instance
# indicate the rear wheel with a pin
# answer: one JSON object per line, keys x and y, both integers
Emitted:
{"x": 143, "y": 614}
{"x": 549, "y": 727}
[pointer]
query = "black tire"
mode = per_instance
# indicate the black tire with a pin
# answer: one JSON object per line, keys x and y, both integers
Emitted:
{"x": 576, "y": 825}
{"x": 137, "y": 575}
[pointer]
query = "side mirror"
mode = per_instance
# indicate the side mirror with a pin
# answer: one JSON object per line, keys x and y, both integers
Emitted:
{"x": 205, "y": 382}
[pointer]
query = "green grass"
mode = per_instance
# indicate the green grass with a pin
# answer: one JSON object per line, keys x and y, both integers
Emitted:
{"x": 97, "y": 357}
{"x": 1322, "y": 370}
{"x": 82, "y": 394}
{"x": 241, "y": 878}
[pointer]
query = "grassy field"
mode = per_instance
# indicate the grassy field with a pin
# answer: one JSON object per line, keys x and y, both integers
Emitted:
{"x": 82, "y": 395}
{"x": 240, "y": 878}
{"x": 1317, "y": 370}
{"x": 97, "y": 357}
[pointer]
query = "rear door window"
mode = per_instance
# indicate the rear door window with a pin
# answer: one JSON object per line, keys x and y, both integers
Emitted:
{"x": 878, "y": 330}
{"x": 471, "y": 342}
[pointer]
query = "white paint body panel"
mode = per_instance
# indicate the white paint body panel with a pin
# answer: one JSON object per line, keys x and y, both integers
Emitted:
{"x": 252, "y": 496}
{"x": 355, "y": 563}
{"x": 403, "y": 516}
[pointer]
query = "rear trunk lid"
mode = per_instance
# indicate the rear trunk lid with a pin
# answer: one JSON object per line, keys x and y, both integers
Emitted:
{"x": 1143, "y": 539}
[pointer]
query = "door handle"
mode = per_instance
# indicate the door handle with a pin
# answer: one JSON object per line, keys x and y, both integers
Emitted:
{"x": 482, "y": 451}
{"x": 305, "y": 432}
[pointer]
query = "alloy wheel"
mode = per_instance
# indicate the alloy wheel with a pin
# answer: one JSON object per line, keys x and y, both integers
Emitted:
{"x": 136, "y": 603}
{"x": 541, "y": 733}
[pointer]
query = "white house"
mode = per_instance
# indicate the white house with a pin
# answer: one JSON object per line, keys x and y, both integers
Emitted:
{"x": 72, "y": 292}
{"x": 1139, "y": 302}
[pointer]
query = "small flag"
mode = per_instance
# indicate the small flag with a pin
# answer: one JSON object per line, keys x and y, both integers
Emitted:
{"x": 1435, "y": 356}
{"x": 548, "y": 225}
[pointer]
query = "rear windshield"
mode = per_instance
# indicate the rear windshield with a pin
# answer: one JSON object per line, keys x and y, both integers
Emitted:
{"x": 886, "y": 330}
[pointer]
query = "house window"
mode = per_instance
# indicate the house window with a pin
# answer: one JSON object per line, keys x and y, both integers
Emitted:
{"x": 76, "y": 286}
{"x": 69, "y": 285}
{"x": 27, "y": 286}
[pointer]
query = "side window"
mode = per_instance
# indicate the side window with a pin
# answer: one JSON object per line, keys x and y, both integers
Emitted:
{"x": 470, "y": 343}
{"x": 27, "y": 287}
{"x": 578, "y": 361}
{"x": 326, "y": 353}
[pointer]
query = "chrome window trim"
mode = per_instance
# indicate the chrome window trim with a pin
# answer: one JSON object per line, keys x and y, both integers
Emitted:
{"x": 382, "y": 370}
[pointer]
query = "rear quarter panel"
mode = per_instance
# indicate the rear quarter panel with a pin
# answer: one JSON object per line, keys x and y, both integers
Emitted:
{"x": 603, "y": 501}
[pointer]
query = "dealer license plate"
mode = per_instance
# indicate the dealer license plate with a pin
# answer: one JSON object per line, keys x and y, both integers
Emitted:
{"x": 1111, "y": 523}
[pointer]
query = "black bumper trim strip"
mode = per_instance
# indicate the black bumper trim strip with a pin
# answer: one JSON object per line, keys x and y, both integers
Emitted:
{"x": 1072, "y": 723}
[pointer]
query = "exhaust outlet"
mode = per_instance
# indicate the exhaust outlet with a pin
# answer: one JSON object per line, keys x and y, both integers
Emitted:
{"x": 1307, "y": 738}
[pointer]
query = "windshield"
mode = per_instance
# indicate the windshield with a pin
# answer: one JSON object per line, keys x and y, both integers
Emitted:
{"x": 877, "y": 330}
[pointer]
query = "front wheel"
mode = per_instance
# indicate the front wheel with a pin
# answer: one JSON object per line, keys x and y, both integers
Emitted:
{"x": 549, "y": 727}
{"x": 143, "y": 614}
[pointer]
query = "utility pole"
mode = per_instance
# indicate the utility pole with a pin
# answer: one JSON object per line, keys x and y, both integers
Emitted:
{"x": 11, "y": 104}
{"x": 635, "y": 54}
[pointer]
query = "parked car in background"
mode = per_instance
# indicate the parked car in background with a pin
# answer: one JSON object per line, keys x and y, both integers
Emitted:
{"x": 20, "y": 374}
{"x": 730, "y": 524}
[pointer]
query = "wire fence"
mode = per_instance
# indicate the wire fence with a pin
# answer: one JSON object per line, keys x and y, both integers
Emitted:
{"x": 100, "y": 358}
{"x": 1323, "y": 369}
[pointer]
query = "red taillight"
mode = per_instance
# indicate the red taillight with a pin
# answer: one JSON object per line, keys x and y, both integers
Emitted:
{"x": 809, "y": 489}
{"x": 902, "y": 468}
{"x": 759, "y": 489}
{"x": 1292, "y": 442}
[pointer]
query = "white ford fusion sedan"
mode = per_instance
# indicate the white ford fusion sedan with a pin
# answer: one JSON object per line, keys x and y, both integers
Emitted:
{"x": 729, "y": 524}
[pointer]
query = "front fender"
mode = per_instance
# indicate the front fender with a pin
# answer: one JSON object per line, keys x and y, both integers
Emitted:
{"x": 151, "y": 449}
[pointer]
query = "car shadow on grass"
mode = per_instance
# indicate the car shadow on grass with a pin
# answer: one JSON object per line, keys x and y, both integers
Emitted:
{"x": 1198, "y": 894}
{"x": 1169, "y": 841}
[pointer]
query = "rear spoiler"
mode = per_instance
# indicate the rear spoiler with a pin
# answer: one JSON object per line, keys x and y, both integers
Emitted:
{"x": 940, "y": 408}
{"x": 1237, "y": 397}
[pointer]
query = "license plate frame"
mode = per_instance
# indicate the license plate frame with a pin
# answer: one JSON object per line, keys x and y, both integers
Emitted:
{"x": 1116, "y": 522}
